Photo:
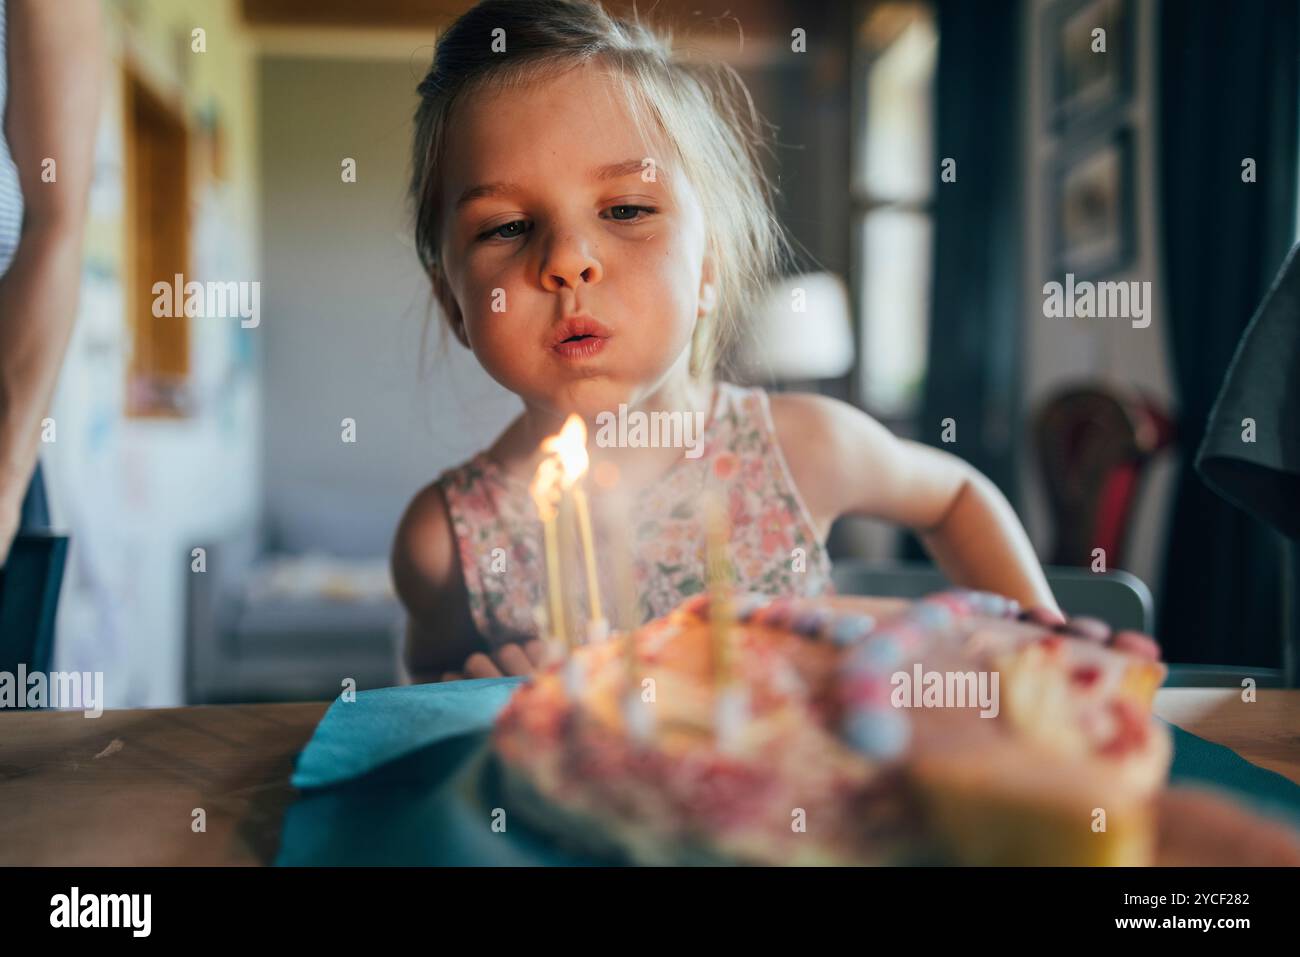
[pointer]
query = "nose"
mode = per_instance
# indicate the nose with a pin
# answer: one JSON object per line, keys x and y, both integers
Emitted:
{"x": 570, "y": 261}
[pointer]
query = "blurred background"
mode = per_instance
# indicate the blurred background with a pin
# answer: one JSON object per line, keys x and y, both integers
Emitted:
{"x": 939, "y": 161}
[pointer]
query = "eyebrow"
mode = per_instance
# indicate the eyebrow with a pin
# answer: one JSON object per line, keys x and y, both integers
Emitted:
{"x": 609, "y": 171}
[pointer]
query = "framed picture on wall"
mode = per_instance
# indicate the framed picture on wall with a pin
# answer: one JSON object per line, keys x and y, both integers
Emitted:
{"x": 1084, "y": 82}
{"x": 1091, "y": 207}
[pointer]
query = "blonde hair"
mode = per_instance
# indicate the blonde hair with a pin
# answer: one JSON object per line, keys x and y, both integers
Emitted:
{"x": 703, "y": 108}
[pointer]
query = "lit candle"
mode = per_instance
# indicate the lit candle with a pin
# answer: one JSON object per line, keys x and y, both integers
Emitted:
{"x": 570, "y": 447}
{"x": 597, "y": 626}
{"x": 573, "y": 669}
{"x": 545, "y": 492}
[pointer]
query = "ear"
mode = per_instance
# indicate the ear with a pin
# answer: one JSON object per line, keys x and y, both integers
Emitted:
{"x": 447, "y": 302}
{"x": 708, "y": 287}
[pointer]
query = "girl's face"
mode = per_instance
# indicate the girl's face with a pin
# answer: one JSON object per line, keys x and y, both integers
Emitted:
{"x": 549, "y": 215}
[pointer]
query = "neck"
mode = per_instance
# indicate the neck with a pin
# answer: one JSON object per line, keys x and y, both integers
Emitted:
{"x": 678, "y": 392}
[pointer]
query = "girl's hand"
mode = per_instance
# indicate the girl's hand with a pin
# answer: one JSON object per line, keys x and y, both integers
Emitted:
{"x": 1094, "y": 629}
{"x": 511, "y": 659}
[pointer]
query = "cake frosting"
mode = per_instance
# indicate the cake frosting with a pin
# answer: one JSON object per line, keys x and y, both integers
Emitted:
{"x": 849, "y": 730}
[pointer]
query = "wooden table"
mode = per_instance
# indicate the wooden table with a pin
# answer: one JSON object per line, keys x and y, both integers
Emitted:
{"x": 122, "y": 788}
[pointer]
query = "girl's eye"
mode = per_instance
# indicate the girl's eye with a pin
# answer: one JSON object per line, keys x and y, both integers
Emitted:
{"x": 633, "y": 210}
{"x": 497, "y": 232}
{"x": 623, "y": 213}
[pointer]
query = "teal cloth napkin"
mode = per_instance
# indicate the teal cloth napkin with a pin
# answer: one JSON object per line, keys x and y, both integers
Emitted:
{"x": 404, "y": 776}
{"x": 355, "y": 737}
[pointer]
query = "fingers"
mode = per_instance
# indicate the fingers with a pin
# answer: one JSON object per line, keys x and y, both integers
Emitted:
{"x": 513, "y": 661}
{"x": 1041, "y": 615}
{"x": 1131, "y": 642}
{"x": 510, "y": 659}
{"x": 1136, "y": 643}
{"x": 536, "y": 652}
{"x": 1083, "y": 626}
{"x": 479, "y": 665}
{"x": 451, "y": 676}
{"x": 1094, "y": 629}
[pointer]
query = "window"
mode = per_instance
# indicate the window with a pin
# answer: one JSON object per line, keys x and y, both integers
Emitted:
{"x": 158, "y": 239}
{"x": 893, "y": 176}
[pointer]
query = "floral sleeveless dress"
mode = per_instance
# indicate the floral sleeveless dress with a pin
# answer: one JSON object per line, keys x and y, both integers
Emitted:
{"x": 772, "y": 546}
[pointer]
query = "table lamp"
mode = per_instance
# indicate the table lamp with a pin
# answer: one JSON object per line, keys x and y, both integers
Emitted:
{"x": 801, "y": 331}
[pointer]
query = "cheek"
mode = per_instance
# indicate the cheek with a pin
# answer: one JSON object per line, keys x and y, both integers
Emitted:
{"x": 668, "y": 280}
{"x": 483, "y": 285}
{"x": 490, "y": 296}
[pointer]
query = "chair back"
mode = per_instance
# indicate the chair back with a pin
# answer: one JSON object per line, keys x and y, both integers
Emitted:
{"x": 1117, "y": 597}
{"x": 1093, "y": 446}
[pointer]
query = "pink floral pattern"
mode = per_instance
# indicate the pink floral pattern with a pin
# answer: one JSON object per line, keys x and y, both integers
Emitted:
{"x": 499, "y": 537}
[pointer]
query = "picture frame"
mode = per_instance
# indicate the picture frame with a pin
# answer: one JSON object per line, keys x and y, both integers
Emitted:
{"x": 1091, "y": 207}
{"x": 1084, "y": 87}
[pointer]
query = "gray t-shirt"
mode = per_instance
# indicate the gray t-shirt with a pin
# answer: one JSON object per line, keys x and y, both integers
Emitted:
{"x": 11, "y": 196}
{"x": 1263, "y": 384}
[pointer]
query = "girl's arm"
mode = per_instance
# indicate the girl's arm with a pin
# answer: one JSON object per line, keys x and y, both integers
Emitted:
{"x": 442, "y": 642}
{"x": 846, "y": 463}
{"x": 440, "y": 632}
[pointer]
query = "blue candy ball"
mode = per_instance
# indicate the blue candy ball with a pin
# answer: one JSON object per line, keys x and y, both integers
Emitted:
{"x": 932, "y": 617}
{"x": 851, "y": 628}
{"x": 879, "y": 734}
{"x": 880, "y": 652}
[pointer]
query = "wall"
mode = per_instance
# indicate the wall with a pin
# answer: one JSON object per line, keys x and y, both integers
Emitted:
{"x": 136, "y": 494}
{"x": 1062, "y": 351}
{"x": 347, "y": 306}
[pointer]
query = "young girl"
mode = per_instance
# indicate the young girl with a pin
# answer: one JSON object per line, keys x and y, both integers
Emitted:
{"x": 594, "y": 218}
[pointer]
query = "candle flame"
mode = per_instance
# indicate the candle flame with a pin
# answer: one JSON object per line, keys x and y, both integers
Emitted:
{"x": 570, "y": 446}
{"x": 545, "y": 488}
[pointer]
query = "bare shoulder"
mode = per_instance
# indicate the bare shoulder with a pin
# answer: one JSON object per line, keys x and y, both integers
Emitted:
{"x": 428, "y": 579}
{"x": 845, "y": 462}
{"x": 423, "y": 547}
{"x": 809, "y": 428}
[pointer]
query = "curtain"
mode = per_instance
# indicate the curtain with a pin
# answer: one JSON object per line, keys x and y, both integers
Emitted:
{"x": 1227, "y": 92}
{"x": 974, "y": 339}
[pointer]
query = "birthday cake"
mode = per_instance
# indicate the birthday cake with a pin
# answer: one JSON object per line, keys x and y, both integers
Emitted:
{"x": 842, "y": 730}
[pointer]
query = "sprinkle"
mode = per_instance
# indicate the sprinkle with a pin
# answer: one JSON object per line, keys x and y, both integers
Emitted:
{"x": 574, "y": 676}
{"x": 776, "y": 614}
{"x": 932, "y": 615}
{"x": 730, "y": 716}
{"x": 954, "y": 601}
{"x": 697, "y": 605}
{"x": 880, "y": 734}
{"x": 811, "y": 621}
{"x": 865, "y": 690}
{"x": 1085, "y": 675}
{"x": 848, "y": 629}
{"x": 1051, "y": 642}
{"x": 748, "y": 603}
{"x": 882, "y": 650}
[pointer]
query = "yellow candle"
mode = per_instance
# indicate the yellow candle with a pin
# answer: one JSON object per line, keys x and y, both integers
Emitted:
{"x": 545, "y": 489}
{"x": 588, "y": 552}
{"x": 566, "y": 553}
{"x": 570, "y": 448}
{"x": 553, "y": 582}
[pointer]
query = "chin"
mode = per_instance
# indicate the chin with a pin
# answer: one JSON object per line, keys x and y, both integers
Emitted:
{"x": 588, "y": 397}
